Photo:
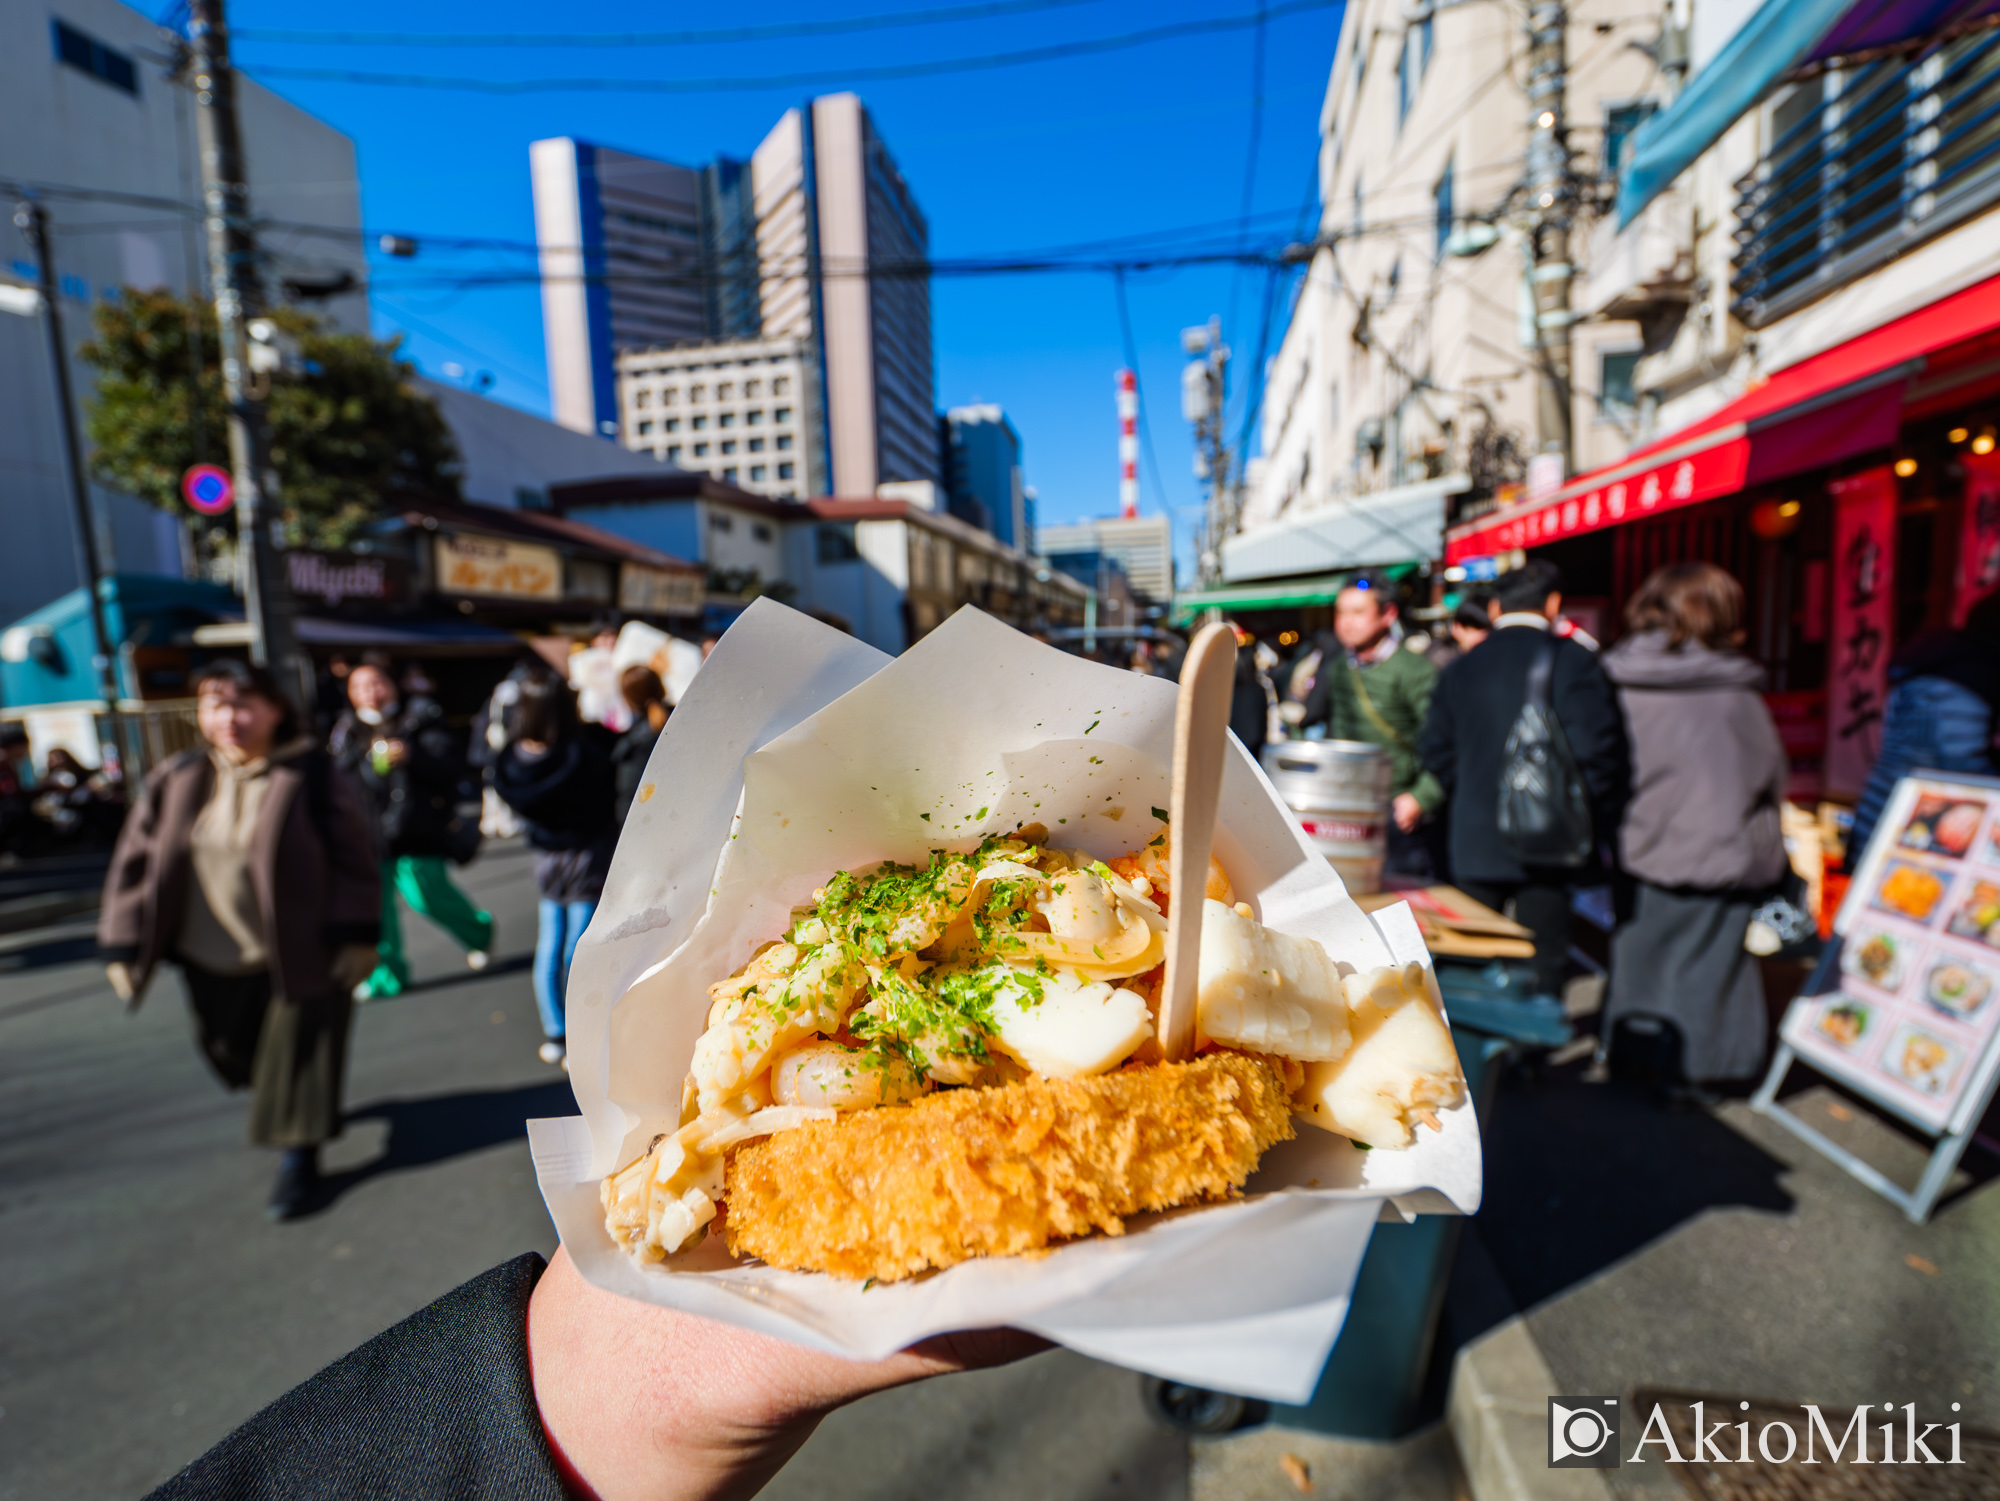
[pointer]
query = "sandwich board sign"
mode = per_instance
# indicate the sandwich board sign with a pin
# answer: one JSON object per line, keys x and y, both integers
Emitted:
{"x": 1904, "y": 1008}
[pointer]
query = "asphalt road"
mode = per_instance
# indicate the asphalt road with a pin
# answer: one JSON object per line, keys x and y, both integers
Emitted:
{"x": 148, "y": 1306}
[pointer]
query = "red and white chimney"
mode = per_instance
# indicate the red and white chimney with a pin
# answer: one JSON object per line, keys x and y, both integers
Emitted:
{"x": 1128, "y": 444}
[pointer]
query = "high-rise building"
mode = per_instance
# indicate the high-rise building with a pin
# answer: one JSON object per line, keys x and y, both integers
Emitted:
{"x": 841, "y": 246}
{"x": 982, "y": 473}
{"x": 746, "y": 412}
{"x": 635, "y": 253}
{"x": 1142, "y": 545}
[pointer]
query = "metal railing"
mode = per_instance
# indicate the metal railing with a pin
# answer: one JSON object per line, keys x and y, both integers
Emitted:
{"x": 1867, "y": 161}
{"x": 147, "y": 732}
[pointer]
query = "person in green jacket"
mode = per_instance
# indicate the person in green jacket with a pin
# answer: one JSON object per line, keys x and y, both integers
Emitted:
{"x": 1370, "y": 687}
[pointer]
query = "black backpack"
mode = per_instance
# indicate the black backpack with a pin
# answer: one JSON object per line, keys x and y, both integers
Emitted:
{"x": 1544, "y": 807}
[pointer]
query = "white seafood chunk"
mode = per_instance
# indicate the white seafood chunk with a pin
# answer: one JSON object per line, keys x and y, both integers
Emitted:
{"x": 785, "y": 995}
{"x": 1266, "y": 991}
{"x": 1077, "y": 1027}
{"x": 1401, "y": 1069}
{"x": 829, "y": 1076}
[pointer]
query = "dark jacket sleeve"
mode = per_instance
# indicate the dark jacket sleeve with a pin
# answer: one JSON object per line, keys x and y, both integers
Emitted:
{"x": 1437, "y": 741}
{"x": 1594, "y": 724}
{"x": 134, "y": 867}
{"x": 354, "y": 874}
{"x": 440, "y": 1408}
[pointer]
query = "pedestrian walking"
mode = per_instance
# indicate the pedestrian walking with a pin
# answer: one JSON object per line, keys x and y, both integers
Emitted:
{"x": 646, "y": 696}
{"x": 1369, "y": 687}
{"x": 1700, "y": 846}
{"x": 252, "y": 865}
{"x": 409, "y": 763}
{"x": 1464, "y": 745}
{"x": 1943, "y": 688}
{"x": 555, "y": 772}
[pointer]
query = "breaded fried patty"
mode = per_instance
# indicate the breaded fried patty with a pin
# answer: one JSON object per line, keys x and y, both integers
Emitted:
{"x": 1005, "y": 1170}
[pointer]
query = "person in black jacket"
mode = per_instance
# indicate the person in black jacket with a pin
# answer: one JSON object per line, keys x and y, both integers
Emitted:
{"x": 556, "y": 773}
{"x": 1464, "y": 743}
{"x": 529, "y": 1384}
{"x": 408, "y": 761}
{"x": 646, "y": 697}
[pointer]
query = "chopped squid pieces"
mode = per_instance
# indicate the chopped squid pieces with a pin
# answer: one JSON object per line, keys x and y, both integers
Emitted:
{"x": 1266, "y": 991}
{"x": 827, "y": 1075}
{"x": 785, "y": 995}
{"x": 1400, "y": 1070}
{"x": 1073, "y": 1027}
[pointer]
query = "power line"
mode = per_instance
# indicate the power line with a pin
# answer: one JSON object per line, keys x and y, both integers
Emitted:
{"x": 835, "y": 27}
{"x": 879, "y": 73}
{"x": 1138, "y": 389}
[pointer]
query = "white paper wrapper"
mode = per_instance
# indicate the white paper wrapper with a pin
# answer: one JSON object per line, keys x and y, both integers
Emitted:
{"x": 798, "y": 751}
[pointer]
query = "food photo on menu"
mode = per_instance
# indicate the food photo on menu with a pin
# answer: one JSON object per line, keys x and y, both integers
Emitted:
{"x": 1922, "y": 1060}
{"x": 1958, "y": 987}
{"x": 1978, "y": 914}
{"x": 1910, "y": 890}
{"x": 1846, "y": 1023}
{"x": 1942, "y": 825}
{"x": 1875, "y": 955}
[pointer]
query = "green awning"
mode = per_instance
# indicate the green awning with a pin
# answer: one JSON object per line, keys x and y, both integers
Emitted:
{"x": 1286, "y": 594}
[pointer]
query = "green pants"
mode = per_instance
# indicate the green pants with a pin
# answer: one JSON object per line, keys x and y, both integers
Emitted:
{"x": 424, "y": 881}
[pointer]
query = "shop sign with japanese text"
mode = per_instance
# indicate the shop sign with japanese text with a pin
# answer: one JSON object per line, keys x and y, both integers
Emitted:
{"x": 501, "y": 569}
{"x": 338, "y": 578}
{"x": 1857, "y": 679}
{"x": 659, "y": 591}
{"x": 1979, "y": 541}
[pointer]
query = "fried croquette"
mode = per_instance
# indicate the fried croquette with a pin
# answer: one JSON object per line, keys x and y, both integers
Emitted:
{"x": 1005, "y": 1170}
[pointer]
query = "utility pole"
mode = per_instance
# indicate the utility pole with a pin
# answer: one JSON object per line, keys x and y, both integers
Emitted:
{"x": 33, "y": 221}
{"x": 239, "y": 296}
{"x": 1551, "y": 208}
{"x": 1204, "y": 386}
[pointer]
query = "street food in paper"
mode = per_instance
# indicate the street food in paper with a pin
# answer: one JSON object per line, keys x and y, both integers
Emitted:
{"x": 956, "y": 1058}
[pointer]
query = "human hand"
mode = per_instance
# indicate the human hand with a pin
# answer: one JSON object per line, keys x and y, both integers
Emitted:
{"x": 120, "y": 976}
{"x": 646, "y": 1404}
{"x": 1407, "y": 811}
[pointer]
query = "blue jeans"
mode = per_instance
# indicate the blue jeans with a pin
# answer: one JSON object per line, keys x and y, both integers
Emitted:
{"x": 559, "y": 926}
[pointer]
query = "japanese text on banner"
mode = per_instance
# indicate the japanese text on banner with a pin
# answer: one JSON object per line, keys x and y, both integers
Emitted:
{"x": 1864, "y": 543}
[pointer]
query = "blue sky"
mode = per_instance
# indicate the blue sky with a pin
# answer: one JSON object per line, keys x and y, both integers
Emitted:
{"x": 1146, "y": 139}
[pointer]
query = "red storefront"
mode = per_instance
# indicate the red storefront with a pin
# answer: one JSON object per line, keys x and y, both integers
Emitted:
{"x": 1856, "y": 496}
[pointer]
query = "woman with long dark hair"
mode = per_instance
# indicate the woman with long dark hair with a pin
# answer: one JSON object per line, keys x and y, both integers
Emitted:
{"x": 251, "y": 864}
{"x": 555, "y": 772}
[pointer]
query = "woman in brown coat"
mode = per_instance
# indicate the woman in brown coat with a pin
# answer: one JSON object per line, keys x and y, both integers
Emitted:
{"x": 252, "y": 865}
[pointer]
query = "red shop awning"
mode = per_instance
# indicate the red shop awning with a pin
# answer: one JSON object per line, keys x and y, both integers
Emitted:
{"x": 1844, "y": 401}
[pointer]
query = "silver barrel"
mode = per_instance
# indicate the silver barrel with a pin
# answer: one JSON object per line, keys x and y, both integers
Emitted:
{"x": 1340, "y": 791}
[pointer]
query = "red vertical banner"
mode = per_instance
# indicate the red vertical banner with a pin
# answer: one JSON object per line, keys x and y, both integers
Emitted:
{"x": 1979, "y": 542}
{"x": 1857, "y": 678}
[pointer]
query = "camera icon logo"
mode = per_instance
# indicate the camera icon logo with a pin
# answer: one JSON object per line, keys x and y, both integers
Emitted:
{"x": 1583, "y": 1433}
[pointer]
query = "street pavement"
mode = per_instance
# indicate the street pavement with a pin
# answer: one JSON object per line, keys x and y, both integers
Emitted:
{"x": 149, "y": 1306}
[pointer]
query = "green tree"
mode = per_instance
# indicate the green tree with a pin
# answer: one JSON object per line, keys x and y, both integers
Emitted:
{"x": 350, "y": 435}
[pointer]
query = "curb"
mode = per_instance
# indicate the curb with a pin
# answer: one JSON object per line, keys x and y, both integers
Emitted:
{"x": 1498, "y": 1415}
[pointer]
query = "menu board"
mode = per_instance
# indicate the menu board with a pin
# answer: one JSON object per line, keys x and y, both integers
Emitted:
{"x": 1912, "y": 1020}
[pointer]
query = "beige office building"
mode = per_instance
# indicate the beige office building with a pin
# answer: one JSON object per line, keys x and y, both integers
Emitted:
{"x": 746, "y": 412}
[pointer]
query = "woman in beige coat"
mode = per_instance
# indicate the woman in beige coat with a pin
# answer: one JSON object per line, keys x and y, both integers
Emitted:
{"x": 252, "y": 865}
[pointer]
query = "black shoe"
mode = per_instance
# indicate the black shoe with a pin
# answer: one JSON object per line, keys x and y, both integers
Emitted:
{"x": 298, "y": 1180}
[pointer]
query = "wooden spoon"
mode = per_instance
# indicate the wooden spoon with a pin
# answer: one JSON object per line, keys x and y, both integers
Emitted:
{"x": 1201, "y": 720}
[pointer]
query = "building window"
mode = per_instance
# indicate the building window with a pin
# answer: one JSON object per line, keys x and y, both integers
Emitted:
{"x": 784, "y": 471}
{"x": 755, "y": 445}
{"x": 671, "y": 425}
{"x": 674, "y": 454}
{"x": 1441, "y": 202}
{"x": 780, "y": 385}
{"x": 725, "y": 391}
{"x": 756, "y": 471}
{"x": 729, "y": 445}
{"x": 1619, "y": 124}
{"x": 730, "y": 475}
{"x": 784, "y": 441}
{"x": 669, "y": 397}
{"x": 697, "y": 393}
{"x": 717, "y": 522}
{"x": 701, "y": 450}
{"x": 644, "y": 398}
{"x": 760, "y": 531}
{"x": 752, "y": 389}
{"x": 88, "y": 55}
{"x": 727, "y": 419}
{"x": 753, "y": 418}
{"x": 835, "y": 540}
{"x": 1616, "y": 398}
{"x": 645, "y": 428}
{"x": 699, "y": 424}
{"x": 783, "y": 414}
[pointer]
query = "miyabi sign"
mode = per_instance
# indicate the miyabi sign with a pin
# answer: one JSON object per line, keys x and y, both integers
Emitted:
{"x": 1583, "y": 1434}
{"x": 208, "y": 488}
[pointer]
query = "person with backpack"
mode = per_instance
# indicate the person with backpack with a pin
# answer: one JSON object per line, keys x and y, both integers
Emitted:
{"x": 555, "y": 772}
{"x": 251, "y": 864}
{"x": 1528, "y": 721}
{"x": 406, "y": 758}
{"x": 1700, "y": 846}
{"x": 1368, "y": 687}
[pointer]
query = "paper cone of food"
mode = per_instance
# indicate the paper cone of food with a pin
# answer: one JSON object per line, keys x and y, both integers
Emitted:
{"x": 860, "y": 1031}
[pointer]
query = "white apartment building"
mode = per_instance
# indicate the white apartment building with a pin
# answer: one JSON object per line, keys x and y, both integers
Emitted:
{"x": 746, "y": 413}
{"x": 1142, "y": 545}
{"x": 89, "y": 117}
{"x": 1404, "y": 375}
